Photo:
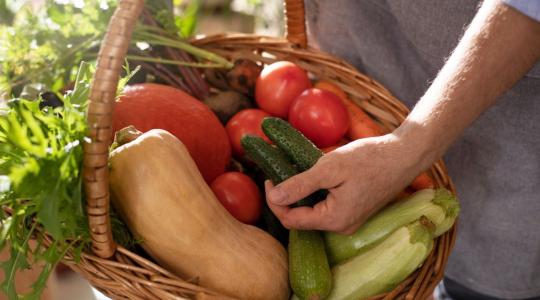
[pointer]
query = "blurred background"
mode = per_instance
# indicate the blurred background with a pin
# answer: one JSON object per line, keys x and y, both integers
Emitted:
{"x": 38, "y": 39}
{"x": 42, "y": 35}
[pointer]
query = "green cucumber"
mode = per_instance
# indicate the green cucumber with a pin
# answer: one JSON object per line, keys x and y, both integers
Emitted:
{"x": 269, "y": 159}
{"x": 300, "y": 149}
{"x": 309, "y": 271}
{"x": 274, "y": 164}
{"x": 303, "y": 153}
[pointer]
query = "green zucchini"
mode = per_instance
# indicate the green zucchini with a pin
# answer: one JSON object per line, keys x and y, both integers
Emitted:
{"x": 299, "y": 148}
{"x": 383, "y": 267}
{"x": 309, "y": 271}
{"x": 439, "y": 206}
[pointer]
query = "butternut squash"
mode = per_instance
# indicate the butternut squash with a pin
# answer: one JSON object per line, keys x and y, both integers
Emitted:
{"x": 161, "y": 195}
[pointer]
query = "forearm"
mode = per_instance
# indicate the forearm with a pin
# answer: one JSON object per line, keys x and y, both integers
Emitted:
{"x": 497, "y": 49}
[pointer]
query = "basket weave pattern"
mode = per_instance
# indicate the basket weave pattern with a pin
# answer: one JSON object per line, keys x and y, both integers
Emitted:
{"x": 121, "y": 274}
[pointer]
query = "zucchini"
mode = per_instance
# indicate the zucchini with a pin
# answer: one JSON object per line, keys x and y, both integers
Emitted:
{"x": 299, "y": 148}
{"x": 439, "y": 206}
{"x": 383, "y": 267}
{"x": 309, "y": 271}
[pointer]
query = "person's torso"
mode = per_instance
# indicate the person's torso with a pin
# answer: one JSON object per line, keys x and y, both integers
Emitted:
{"x": 495, "y": 164}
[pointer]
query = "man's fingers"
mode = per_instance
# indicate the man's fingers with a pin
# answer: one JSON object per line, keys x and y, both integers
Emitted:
{"x": 268, "y": 185}
{"x": 278, "y": 210}
{"x": 295, "y": 188}
{"x": 304, "y": 217}
{"x": 348, "y": 230}
{"x": 289, "y": 216}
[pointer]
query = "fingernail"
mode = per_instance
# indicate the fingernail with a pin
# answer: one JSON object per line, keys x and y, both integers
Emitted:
{"x": 276, "y": 195}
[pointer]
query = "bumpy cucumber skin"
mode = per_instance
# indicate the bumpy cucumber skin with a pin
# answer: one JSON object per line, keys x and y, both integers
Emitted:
{"x": 303, "y": 153}
{"x": 275, "y": 165}
{"x": 309, "y": 272}
{"x": 300, "y": 149}
{"x": 271, "y": 160}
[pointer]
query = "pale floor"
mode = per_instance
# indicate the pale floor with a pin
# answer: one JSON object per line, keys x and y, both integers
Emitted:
{"x": 73, "y": 286}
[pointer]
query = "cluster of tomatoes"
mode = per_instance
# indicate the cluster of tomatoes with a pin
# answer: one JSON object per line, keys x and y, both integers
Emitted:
{"x": 284, "y": 90}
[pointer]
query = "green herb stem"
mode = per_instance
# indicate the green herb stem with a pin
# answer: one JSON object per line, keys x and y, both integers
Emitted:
{"x": 174, "y": 62}
{"x": 154, "y": 39}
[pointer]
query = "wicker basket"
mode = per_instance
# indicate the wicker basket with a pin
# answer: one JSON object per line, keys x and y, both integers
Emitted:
{"x": 120, "y": 273}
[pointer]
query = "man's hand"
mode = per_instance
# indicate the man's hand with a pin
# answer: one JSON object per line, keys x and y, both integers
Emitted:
{"x": 361, "y": 177}
{"x": 497, "y": 49}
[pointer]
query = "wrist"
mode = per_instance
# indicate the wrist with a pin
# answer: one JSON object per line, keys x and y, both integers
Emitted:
{"x": 418, "y": 144}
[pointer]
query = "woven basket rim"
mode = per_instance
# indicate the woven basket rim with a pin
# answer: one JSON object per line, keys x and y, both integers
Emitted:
{"x": 418, "y": 285}
{"x": 120, "y": 273}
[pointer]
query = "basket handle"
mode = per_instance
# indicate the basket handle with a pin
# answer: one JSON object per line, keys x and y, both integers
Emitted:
{"x": 296, "y": 22}
{"x": 101, "y": 100}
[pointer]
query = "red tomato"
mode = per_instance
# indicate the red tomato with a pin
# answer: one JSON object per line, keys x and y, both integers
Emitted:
{"x": 239, "y": 195}
{"x": 278, "y": 85}
{"x": 244, "y": 122}
{"x": 320, "y": 116}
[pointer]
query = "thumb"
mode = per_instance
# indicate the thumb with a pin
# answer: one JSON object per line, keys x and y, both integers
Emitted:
{"x": 295, "y": 188}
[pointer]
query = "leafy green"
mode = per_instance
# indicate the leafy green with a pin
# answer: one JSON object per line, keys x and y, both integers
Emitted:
{"x": 40, "y": 158}
{"x": 42, "y": 47}
{"x": 6, "y": 15}
{"x": 161, "y": 10}
{"x": 182, "y": 25}
{"x": 42, "y": 151}
{"x": 46, "y": 46}
{"x": 188, "y": 22}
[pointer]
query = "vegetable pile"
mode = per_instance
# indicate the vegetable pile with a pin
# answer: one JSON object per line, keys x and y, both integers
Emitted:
{"x": 187, "y": 186}
{"x": 321, "y": 265}
{"x": 384, "y": 251}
